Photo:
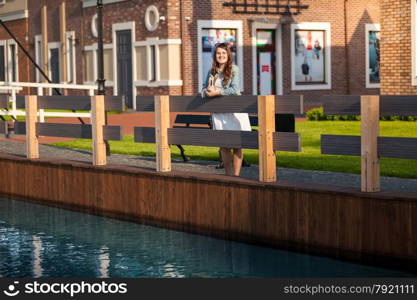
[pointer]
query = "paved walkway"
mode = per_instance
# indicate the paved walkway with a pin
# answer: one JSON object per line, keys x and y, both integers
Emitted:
{"x": 292, "y": 175}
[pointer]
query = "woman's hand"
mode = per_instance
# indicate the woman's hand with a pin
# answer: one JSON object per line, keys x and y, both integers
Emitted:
{"x": 212, "y": 92}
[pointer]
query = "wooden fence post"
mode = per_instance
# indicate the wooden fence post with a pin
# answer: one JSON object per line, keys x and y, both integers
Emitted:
{"x": 32, "y": 144}
{"x": 267, "y": 159}
{"x": 163, "y": 152}
{"x": 97, "y": 120}
{"x": 370, "y": 173}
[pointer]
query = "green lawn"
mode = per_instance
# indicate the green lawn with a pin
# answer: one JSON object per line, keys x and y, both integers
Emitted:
{"x": 310, "y": 157}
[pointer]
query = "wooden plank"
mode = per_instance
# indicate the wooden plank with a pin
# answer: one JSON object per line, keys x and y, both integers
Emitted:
{"x": 393, "y": 147}
{"x": 82, "y": 131}
{"x": 390, "y": 105}
{"x": 370, "y": 171}
{"x": 79, "y": 131}
{"x": 193, "y": 119}
{"x": 4, "y": 101}
{"x": 3, "y": 127}
{"x": 114, "y": 103}
{"x": 291, "y": 104}
{"x": 341, "y": 144}
{"x": 266, "y": 119}
{"x": 98, "y": 121}
{"x": 282, "y": 141}
{"x": 341, "y": 104}
{"x": 396, "y": 147}
{"x": 287, "y": 141}
{"x": 162, "y": 122}
{"x": 63, "y": 38}
{"x": 32, "y": 143}
{"x": 73, "y": 102}
{"x": 398, "y": 105}
{"x": 20, "y": 128}
{"x": 45, "y": 51}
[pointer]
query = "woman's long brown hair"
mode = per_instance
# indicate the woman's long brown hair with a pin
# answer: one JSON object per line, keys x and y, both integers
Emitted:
{"x": 227, "y": 72}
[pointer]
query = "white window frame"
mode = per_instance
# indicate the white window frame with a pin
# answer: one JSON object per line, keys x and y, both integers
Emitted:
{"x": 118, "y": 27}
{"x": 369, "y": 28}
{"x": 158, "y": 82}
{"x": 38, "y": 56}
{"x": 153, "y": 42}
{"x": 278, "y": 55}
{"x": 54, "y": 45}
{"x": 328, "y": 72}
{"x": 70, "y": 36}
{"x": 413, "y": 42}
{"x": 4, "y": 44}
{"x": 93, "y": 3}
{"x": 9, "y": 60}
{"x": 94, "y": 49}
{"x": 221, "y": 24}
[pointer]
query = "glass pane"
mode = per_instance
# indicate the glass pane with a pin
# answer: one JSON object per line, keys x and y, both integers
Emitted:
{"x": 374, "y": 56}
{"x": 2, "y": 65}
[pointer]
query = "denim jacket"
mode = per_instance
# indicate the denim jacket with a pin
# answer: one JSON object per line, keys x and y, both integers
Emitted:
{"x": 230, "y": 88}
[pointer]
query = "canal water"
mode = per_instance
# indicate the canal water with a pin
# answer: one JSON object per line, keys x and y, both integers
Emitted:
{"x": 39, "y": 241}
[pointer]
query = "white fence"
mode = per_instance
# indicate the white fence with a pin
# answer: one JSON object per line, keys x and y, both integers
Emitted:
{"x": 12, "y": 88}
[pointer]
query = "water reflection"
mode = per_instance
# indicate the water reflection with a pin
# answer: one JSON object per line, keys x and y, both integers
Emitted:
{"x": 37, "y": 241}
{"x": 104, "y": 260}
{"x": 37, "y": 260}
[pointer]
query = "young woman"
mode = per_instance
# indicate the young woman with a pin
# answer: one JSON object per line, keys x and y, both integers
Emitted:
{"x": 223, "y": 79}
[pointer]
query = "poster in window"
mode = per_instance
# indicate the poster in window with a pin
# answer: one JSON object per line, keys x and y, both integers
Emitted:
{"x": 309, "y": 57}
{"x": 374, "y": 56}
{"x": 211, "y": 37}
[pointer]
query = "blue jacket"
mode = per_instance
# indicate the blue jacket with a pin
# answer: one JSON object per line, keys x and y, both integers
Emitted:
{"x": 230, "y": 88}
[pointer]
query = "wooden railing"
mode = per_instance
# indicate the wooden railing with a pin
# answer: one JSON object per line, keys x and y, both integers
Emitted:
{"x": 370, "y": 146}
{"x": 13, "y": 87}
{"x": 97, "y": 131}
{"x": 266, "y": 139}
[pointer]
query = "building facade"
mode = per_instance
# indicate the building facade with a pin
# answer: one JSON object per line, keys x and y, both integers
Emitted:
{"x": 399, "y": 47}
{"x": 14, "y": 65}
{"x": 309, "y": 47}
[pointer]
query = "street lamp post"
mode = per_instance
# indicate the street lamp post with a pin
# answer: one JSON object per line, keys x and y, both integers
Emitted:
{"x": 100, "y": 61}
{"x": 100, "y": 64}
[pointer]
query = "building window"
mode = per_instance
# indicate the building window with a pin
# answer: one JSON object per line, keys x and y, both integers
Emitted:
{"x": 266, "y": 59}
{"x": 90, "y": 66}
{"x": 2, "y": 64}
{"x": 152, "y": 61}
{"x": 13, "y": 62}
{"x": 310, "y": 51}
{"x": 153, "y": 75}
{"x": 212, "y": 32}
{"x": 38, "y": 56}
{"x": 372, "y": 32}
{"x": 54, "y": 66}
{"x": 70, "y": 44}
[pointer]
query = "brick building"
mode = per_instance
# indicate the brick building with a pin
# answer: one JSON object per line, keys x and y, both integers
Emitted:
{"x": 310, "y": 47}
{"x": 13, "y": 63}
{"x": 399, "y": 48}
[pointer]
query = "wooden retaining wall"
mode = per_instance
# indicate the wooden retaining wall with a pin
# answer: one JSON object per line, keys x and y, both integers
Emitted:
{"x": 337, "y": 222}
